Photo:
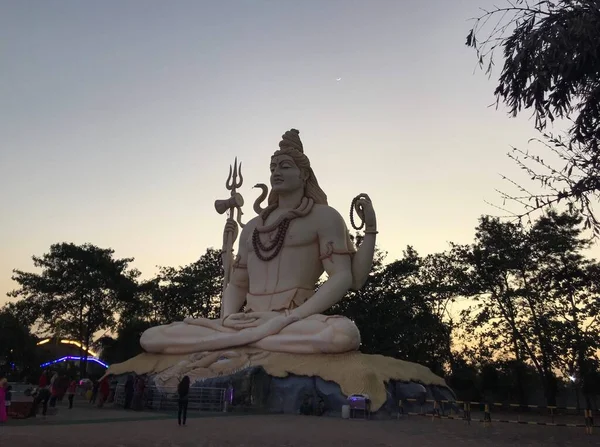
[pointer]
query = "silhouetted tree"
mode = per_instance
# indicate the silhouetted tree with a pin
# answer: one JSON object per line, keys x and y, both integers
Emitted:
{"x": 193, "y": 290}
{"x": 17, "y": 346}
{"x": 570, "y": 282}
{"x": 534, "y": 294}
{"x": 126, "y": 343}
{"x": 175, "y": 293}
{"x": 79, "y": 291}
{"x": 551, "y": 66}
{"x": 395, "y": 316}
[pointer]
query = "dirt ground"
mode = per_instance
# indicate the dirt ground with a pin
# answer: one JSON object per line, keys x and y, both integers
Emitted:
{"x": 288, "y": 431}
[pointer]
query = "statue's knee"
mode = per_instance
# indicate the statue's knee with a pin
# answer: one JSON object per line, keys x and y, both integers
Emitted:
{"x": 147, "y": 338}
{"x": 341, "y": 335}
{"x": 151, "y": 338}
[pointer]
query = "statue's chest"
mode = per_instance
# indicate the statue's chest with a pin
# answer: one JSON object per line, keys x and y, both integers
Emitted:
{"x": 297, "y": 233}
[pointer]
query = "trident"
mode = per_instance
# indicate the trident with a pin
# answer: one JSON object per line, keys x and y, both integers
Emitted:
{"x": 231, "y": 205}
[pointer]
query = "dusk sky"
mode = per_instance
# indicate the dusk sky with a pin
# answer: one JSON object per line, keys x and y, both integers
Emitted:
{"x": 119, "y": 119}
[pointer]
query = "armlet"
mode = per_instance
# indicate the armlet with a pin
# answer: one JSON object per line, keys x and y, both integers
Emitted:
{"x": 237, "y": 263}
{"x": 330, "y": 251}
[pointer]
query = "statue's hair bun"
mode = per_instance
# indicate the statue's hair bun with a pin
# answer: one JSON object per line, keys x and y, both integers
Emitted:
{"x": 291, "y": 140}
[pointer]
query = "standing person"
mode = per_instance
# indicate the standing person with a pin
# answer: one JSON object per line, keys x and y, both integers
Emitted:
{"x": 104, "y": 391}
{"x": 53, "y": 390}
{"x": 95, "y": 388}
{"x": 3, "y": 415}
{"x": 71, "y": 392}
{"x": 8, "y": 397}
{"x": 138, "y": 397}
{"x": 41, "y": 397}
{"x": 183, "y": 390}
{"x": 129, "y": 389}
{"x": 43, "y": 382}
{"x": 63, "y": 385}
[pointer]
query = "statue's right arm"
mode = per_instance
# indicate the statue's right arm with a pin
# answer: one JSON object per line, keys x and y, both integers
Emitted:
{"x": 234, "y": 296}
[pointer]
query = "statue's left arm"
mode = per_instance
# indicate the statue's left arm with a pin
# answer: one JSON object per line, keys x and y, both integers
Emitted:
{"x": 335, "y": 257}
{"x": 362, "y": 262}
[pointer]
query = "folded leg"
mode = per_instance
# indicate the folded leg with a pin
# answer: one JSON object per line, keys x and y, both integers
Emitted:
{"x": 313, "y": 335}
{"x": 184, "y": 338}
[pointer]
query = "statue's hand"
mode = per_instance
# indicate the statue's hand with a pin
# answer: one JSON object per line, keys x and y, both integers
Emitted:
{"x": 231, "y": 228}
{"x": 247, "y": 320}
{"x": 364, "y": 209}
{"x": 205, "y": 322}
{"x": 274, "y": 325}
{"x": 234, "y": 319}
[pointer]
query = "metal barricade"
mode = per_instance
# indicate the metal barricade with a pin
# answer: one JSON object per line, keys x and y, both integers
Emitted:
{"x": 166, "y": 398}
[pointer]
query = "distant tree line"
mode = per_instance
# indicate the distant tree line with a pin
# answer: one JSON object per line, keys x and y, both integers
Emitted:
{"x": 529, "y": 300}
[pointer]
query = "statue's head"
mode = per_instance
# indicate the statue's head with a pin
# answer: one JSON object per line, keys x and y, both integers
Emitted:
{"x": 290, "y": 170}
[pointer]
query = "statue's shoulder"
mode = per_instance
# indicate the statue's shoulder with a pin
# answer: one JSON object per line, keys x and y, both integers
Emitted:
{"x": 254, "y": 220}
{"x": 251, "y": 224}
{"x": 327, "y": 214}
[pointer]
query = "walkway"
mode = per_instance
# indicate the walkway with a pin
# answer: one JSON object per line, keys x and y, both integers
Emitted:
{"x": 107, "y": 427}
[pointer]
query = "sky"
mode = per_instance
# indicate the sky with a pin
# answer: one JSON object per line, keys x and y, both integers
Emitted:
{"x": 119, "y": 119}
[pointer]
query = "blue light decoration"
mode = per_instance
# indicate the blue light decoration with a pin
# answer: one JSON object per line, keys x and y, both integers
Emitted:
{"x": 71, "y": 357}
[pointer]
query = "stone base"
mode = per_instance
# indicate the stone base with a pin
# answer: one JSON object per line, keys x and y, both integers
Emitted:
{"x": 280, "y": 383}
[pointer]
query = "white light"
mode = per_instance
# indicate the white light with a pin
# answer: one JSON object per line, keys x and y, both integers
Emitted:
{"x": 572, "y": 378}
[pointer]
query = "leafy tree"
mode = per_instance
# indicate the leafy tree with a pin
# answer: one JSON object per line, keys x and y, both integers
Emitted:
{"x": 175, "y": 293}
{"x": 18, "y": 346}
{"x": 394, "y": 318}
{"x": 78, "y": 292}
{"x": 506, "y": 308}
{"x": 551, "y": 66}
{"x": 478, "y": 378}
{"x": 149, "y": 305}
{"x": 571, "y": 284}
{"x": 441, "y": 282}
{"x": 551, "y": 62}
{"x": 463, "y": 379}
{"x": 533, "y": 293}
{"x": 591, "y": 379}
{"x": 193, "y": 290}
{"x": 442, "y": 279}
{"x": 126, "y": 344}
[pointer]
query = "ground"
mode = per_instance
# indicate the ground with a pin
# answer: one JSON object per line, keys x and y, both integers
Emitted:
{"x": 90, "y": 426}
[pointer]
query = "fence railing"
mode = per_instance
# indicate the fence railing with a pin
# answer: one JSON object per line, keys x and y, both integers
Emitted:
{"x": 443, "y": 409}
{"x": 503, "y": 405}
{"x": 166, "y": 398}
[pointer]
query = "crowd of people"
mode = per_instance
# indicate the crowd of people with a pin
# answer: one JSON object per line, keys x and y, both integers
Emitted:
{"x": 53, "y": 386}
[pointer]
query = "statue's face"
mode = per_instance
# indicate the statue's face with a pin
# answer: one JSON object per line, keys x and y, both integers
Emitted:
{"x": 285, "y": 175}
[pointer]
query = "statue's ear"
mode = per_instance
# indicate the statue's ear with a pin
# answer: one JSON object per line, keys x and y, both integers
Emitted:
{"x": 304, "y": 175}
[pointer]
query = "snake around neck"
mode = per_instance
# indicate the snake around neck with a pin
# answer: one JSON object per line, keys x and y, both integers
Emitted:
{"x": 281, "y": 225}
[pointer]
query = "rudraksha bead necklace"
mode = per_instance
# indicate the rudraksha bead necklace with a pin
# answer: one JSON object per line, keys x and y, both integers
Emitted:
{"x": 281, "y": 225}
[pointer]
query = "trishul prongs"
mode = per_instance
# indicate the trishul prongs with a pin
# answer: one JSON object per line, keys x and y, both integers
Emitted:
{"x": 232, "y": 183}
